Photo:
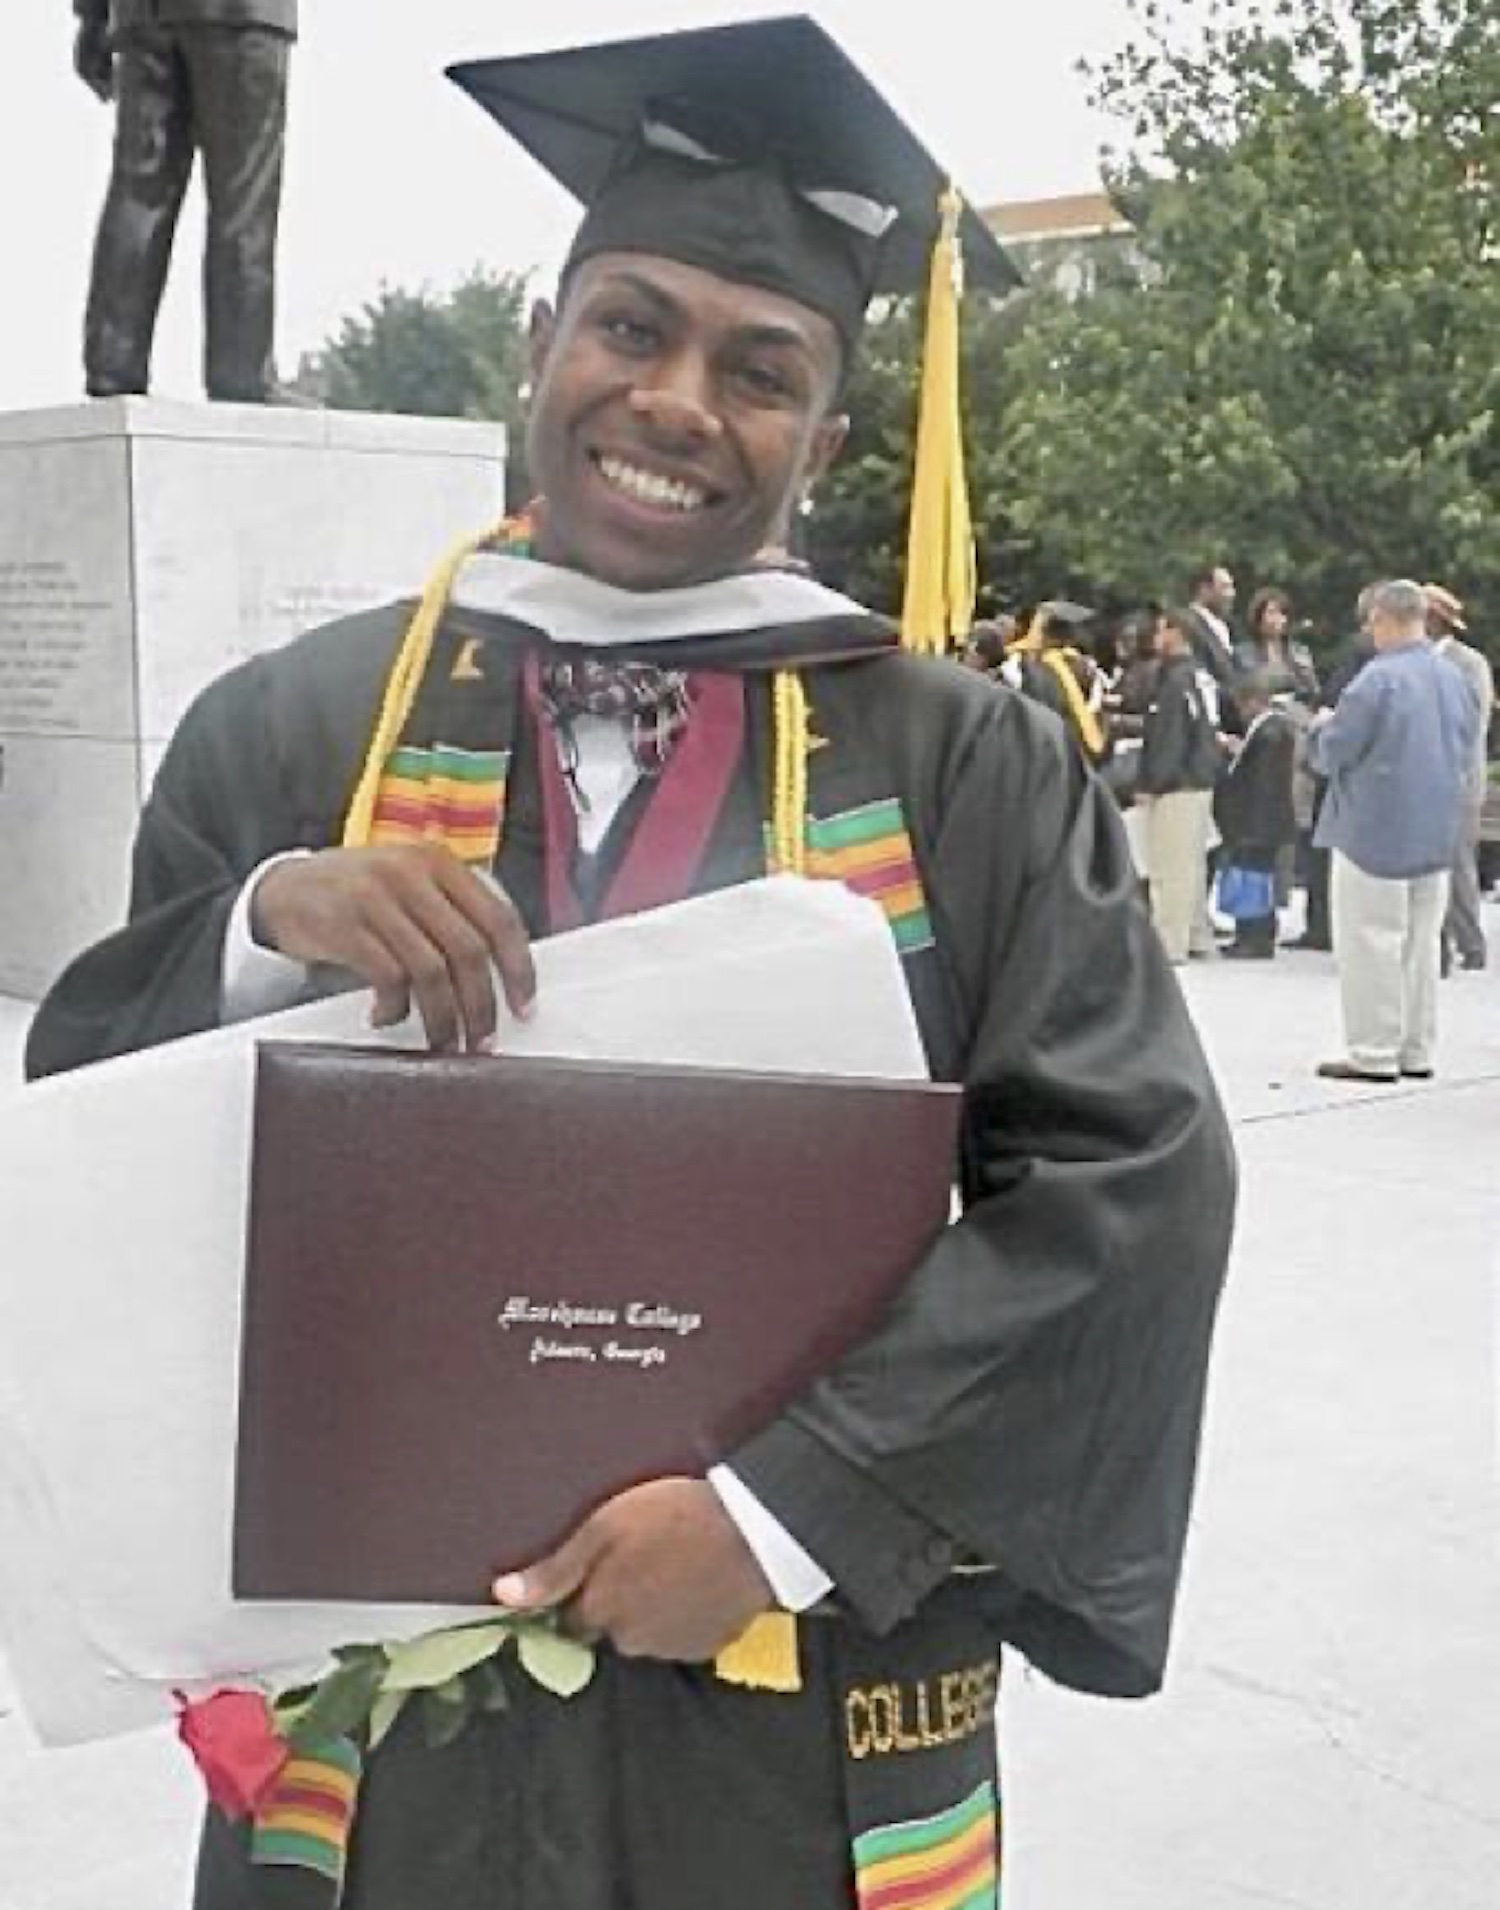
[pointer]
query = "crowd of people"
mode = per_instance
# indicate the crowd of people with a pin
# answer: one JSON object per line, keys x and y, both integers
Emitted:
{"x": 1243, "y": 775}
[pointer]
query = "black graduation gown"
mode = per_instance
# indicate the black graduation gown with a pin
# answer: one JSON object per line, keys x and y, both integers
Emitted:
{"x": 1031, "y": 1405}
{"x": 1038, "y": 680}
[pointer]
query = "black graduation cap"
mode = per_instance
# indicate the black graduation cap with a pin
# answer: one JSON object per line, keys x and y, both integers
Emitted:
{"x": 1061, "y": 610}
{"x": 757, "y": 151}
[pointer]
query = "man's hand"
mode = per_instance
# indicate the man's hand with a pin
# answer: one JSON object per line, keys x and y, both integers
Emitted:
{"x": 661, "y": 1572}
{"x": 412, "y": 921}
{"x": 93, "y": 57}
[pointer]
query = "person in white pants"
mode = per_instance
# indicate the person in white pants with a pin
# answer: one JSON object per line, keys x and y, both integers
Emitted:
{"x": 1387, "y": 935}
{"x": 1396, "y": 753}
{"x": 1180, "y": 763}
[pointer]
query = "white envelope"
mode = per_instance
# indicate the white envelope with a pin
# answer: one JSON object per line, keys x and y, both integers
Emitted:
{"x": 123, "y": 1197}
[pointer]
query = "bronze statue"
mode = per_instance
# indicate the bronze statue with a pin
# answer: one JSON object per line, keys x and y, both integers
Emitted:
{"x": 188, "y": 77}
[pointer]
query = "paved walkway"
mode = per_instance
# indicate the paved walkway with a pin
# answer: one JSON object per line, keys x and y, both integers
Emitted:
{"x": 1331, "y": 1736}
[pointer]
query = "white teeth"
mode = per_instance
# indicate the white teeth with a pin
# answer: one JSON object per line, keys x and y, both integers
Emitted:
{"x": 647, "y": 488}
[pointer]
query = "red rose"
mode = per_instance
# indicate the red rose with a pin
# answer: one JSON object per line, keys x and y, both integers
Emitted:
{"x": 236, "y": 1746}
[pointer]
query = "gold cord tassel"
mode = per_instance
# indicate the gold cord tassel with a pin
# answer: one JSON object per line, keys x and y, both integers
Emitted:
{"x": 789, "y": 798}
{"x": 764, "y": 1658}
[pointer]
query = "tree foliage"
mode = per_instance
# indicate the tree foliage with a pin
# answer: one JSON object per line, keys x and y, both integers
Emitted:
{"x": 1307, "y": 379}
{"x": 856, "y": 531}
{"x": 1296, "y": 366}
{"x": 460, "y": 354}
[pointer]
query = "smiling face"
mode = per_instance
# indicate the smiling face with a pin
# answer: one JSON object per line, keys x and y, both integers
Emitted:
{"x": 677, "y": 416}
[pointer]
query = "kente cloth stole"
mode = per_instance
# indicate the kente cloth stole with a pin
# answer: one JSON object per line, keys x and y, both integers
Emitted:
{"x": 307, "y": 1820}
{"x": 916, "y": 1716}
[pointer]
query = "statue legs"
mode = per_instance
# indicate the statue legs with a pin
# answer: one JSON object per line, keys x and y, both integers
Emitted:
{"x": 238, "y": 78}
{"x": 220, "y": 91}
{"x": 153, "y": 158}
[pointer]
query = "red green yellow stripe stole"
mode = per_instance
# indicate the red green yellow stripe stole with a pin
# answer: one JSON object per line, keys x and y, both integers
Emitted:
{"x": 443, "y": 794}
{"x": 869, "y": 850}
{"x": 306, "y": 1821}
{"x": 946, "y": 1862}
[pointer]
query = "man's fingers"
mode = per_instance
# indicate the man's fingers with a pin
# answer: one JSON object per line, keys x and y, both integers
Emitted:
{"x": 414, "y": 922}
{"x": 467, "y": 954}
{"x": 496, "y": 918}
{"x": 553, "y": 1581}
{"x": 370, "y": 958}
{"x": 424, "y": 967}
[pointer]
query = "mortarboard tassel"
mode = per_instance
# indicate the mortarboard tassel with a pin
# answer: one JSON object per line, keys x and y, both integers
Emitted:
{"x": 940, "y": 564}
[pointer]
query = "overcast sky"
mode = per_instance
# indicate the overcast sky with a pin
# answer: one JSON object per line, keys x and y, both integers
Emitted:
{"x": 393, "y": 175}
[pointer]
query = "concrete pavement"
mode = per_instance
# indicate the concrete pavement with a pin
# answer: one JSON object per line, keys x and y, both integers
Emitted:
{"x": 1330, "y": 1737}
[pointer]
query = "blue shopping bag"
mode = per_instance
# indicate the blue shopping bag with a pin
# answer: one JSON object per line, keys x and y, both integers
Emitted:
{"x": 1246, "y": 894}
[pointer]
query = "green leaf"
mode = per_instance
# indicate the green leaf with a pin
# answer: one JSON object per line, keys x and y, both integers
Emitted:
{"x": 433, "y": 1659}
{"x": 488, "y": 1680}
{"x": 341, "y": 1705}
{"x": 446, "y": 1711}
{"x": 387, "y": 1707}
{"x": 358, "y": 1654}
{"x": 288, "y": 1706}
{"x": 558, "y": 1664}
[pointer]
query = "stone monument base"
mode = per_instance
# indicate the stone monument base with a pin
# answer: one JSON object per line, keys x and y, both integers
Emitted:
{"x": 145, "y": 547}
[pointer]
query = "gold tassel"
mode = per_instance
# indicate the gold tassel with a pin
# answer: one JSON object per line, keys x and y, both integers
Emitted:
{"x": 940, "y": 557}
{"x": 765, "y": 1657}
{"x": 789, "y": 797}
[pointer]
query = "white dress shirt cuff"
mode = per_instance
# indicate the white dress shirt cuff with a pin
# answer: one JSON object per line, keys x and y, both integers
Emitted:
{"x": 796, "y": 1578}
{"x": 254, "y": 980}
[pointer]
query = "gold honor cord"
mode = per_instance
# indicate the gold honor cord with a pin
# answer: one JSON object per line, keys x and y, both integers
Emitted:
{"x": 789, "y": 796}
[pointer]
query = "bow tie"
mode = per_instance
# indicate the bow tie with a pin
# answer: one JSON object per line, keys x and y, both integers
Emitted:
{"x": 654, "y": 702}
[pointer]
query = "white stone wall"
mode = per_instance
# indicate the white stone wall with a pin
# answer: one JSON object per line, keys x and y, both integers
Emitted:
{"x": 145, "y": 547}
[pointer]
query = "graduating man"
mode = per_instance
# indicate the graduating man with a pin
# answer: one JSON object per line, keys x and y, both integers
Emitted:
{"x": 1048, "y": 666}
{"x": 607, "y": 708}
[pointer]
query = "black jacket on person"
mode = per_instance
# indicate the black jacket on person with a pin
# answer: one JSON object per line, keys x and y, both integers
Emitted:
{"x": 1181, "y": 749}
{"x": 1253, "y": 802}
{"x": 1211, "y": 651}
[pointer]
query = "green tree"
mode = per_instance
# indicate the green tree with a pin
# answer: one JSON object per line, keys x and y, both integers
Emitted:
{"x": 856, "y": 531}
{"x": 1306, "y": 379}
{"x": 461, "y": 354}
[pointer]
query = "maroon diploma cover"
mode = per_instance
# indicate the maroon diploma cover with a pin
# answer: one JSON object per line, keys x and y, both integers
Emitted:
{"x": 484, "y": 1295}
